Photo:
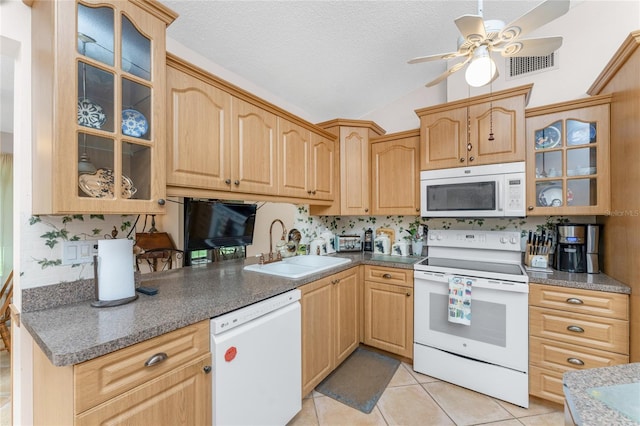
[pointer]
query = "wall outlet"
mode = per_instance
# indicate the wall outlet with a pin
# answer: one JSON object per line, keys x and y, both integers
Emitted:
{"x": 75, "y": 252}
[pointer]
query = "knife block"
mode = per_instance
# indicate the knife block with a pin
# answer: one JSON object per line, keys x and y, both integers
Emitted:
{"x": 535, "y": 260}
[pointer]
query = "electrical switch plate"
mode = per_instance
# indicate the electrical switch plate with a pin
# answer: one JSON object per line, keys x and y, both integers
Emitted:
{"x": 75, "y": 252}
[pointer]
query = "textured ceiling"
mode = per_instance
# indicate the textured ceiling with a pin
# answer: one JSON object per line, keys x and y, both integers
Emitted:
{"x": 330, "y": 58}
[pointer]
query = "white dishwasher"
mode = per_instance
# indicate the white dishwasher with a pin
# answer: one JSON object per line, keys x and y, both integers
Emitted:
{"x": 258, "y": 363}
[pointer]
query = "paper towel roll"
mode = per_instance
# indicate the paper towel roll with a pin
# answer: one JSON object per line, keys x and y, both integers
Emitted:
{"x": 115, "y": 269}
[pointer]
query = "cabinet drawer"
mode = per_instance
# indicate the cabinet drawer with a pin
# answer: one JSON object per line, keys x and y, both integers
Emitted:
{"x": 102, "y": 378}
{"x": 611, "y": 305}
{"x": 546, "y": 384}
{"x": 563, "y": 357}
{"x": 585, "y": 330}
{"x": 380, "y": 274}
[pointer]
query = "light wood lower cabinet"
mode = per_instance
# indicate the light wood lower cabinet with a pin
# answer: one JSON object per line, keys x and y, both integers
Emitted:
{"x": 162, "y": 381}
{"x": 388, "y": 309}
{"x": 329, "y": 325}
{"x": 573, "y": 329}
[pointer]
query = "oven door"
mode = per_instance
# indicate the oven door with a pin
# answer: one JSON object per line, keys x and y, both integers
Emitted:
{"x": 498, "y": 333}
{"x": 472, "y": 196}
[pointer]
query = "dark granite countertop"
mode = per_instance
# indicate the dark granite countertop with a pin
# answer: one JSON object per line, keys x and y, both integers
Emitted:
{"x": 71, "y": 333}
{"x": 598, "y": 282}
{"x": 600, "y": 396}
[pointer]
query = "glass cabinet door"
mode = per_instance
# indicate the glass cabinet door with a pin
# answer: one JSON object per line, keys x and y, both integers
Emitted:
{"x": 115, "y": 93}
{"x": 568, "y": 150}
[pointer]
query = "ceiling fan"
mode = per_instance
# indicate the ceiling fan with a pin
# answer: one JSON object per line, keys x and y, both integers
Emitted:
{"x": 479, "y": 38}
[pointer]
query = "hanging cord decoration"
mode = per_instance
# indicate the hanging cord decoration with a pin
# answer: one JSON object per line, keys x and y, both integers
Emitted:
{"x": 491, "y": 138}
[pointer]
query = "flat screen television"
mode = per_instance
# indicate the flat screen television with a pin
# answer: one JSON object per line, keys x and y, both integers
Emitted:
{"x": 213, "y": 224}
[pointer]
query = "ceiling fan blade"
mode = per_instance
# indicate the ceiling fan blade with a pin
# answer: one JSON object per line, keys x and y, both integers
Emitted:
{"x": 471, "y": 27}
{"x": 436, "y": 57}
{"x": 447, "y": 73}
{"x": 543, "y": 13}
{"x": 542, "y": 46}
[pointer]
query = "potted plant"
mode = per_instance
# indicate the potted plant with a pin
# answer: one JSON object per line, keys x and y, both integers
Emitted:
{"x": 416, "y": 236}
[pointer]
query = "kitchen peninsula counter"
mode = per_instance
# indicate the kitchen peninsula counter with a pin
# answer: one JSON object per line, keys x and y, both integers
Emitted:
{"x": 69, "y": 331}
{"x": 599, "y": 396}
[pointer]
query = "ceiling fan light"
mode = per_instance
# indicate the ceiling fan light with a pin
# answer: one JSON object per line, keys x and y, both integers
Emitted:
{"x": 482, "y": 70}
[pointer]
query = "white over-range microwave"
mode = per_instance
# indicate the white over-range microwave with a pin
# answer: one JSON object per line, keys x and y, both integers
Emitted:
{"x": 494, "y": 190}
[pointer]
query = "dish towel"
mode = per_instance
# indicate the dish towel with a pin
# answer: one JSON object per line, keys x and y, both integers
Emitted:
{"x": 460, "y": 300}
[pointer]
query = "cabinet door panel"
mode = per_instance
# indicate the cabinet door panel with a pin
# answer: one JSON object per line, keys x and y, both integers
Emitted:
{"x": 346, "y": 314}
{"x": 254, "y": 151}
{"x": 388, "y": 320}
{"x": 503, "y": 119}
{"x": 317, "y": 334}
{"x": 182, "y": 397}
{"x": 198, "y": 122}
{"x": 354, "y": 174}
{"x": 324, "y": 168}
{"x": 294, "y": 144}
{"x": 443, "y": 139}
{"x": 395, "y": 177}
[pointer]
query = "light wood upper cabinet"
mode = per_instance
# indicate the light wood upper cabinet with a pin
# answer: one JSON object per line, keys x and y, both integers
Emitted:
{"x": 568, "y": 158}
{"x": 198, "y": 132}
{"x": 99, "y": 106}
{"x": 395, "y": 174}
{"x": 485, "y": 129}
{"x": 253, "y": 149}
{"x": 307, "y": 163}
{"x": 355, "y": 167}
{"x": 330, "y": 327}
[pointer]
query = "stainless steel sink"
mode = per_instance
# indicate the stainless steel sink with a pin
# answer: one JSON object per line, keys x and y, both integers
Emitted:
{"x": 298, "y": 266}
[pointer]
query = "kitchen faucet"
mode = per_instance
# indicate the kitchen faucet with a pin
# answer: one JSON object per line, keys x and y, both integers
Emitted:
{"x": 284, "y": 233}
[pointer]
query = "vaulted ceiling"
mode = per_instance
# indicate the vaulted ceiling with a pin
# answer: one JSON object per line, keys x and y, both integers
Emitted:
{"x": 331, "y": 58}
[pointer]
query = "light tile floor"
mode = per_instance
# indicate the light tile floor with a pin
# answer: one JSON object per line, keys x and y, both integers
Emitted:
{"x": 415, "y": 399}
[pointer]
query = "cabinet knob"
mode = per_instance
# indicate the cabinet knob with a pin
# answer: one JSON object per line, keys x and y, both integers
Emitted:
{"x": 313, "y": 192}
{"x": 417, "y": 209}
{"x": 227, "y": 181}
{"x": 161, "y": 201}
{"x": 207, "y": 369}
{"x": 574, "y": 301}
{"x": 309, "y": 192}
{"x": 156, "y": 359}
{"x": 575, "y": 329}
{"x": 408, "y": 294}
{"x": 386, "y": 276}
{"x": 472, "y": 158}
{"x": 236, "y": 182}
{"x": 530, "y": 208}
{"x": 461, "y": 159}
{"x": 366, "y": 210}
{"x": 575, "y": 361}
{"x": 469, "y": 147}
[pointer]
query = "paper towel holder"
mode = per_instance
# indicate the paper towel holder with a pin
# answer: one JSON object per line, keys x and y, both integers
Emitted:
{"x": 106, "y": 303}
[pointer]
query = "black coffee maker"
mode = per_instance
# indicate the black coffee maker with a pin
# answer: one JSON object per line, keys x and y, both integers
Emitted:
{"x": 571, "y": 248}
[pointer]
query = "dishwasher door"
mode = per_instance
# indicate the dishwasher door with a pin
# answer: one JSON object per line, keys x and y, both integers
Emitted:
{"x": 257, "y": 370}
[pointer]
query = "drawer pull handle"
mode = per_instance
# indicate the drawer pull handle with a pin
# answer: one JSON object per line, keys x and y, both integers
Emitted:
{"x": 156, "y": 359}
{"x": 575, "y": 329}
{"x": 574, "y": 301}
{"x": 575, "y": 361}
{"x": 387, "y": 276}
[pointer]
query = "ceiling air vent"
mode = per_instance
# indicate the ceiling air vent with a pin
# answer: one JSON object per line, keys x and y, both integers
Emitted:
{"x": 518, "y": 66}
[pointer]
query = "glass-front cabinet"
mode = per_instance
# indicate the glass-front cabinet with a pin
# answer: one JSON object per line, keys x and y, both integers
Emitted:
{"x": 98, "y": 94}
{"x": 568, "y": 158}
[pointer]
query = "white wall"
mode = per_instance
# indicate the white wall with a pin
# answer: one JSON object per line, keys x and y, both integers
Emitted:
{"x": 592, "y": 32}
{"x": 15, "y": 37}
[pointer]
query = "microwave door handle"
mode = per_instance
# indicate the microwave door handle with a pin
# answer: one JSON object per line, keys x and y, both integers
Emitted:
{"x": 499, "y": 196}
